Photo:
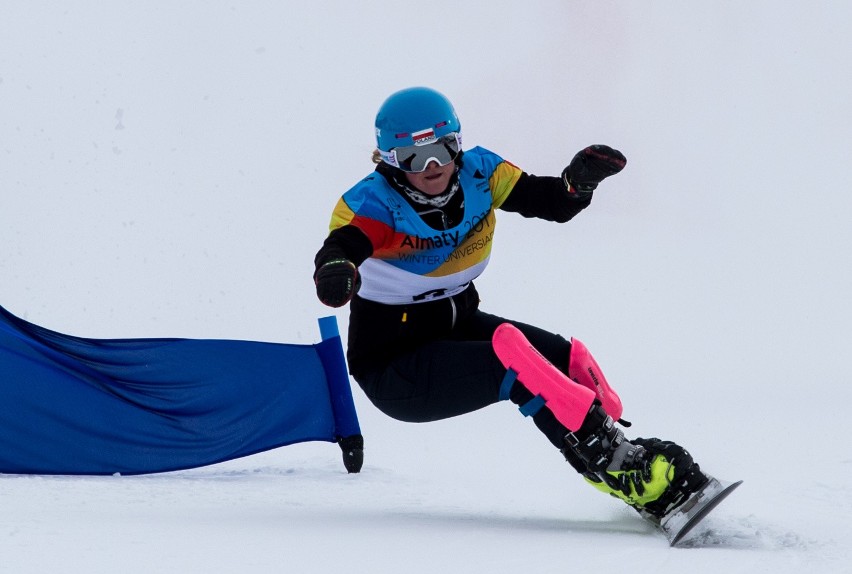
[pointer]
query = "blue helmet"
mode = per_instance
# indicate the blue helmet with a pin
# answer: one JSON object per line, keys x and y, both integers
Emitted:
{"x": 410, "y": 115}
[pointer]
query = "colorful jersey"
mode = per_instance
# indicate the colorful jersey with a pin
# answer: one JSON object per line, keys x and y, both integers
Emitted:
{"x": 412, "y": 262}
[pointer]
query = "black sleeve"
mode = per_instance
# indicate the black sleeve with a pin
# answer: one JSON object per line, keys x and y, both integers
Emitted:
{"x": 545, "y": 197}
{"x": 347, "y": 242}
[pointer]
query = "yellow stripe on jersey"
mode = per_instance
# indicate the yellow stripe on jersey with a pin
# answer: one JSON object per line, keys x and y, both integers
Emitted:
{"x": 502, "y": 182}
{"x": 342, "y": 215}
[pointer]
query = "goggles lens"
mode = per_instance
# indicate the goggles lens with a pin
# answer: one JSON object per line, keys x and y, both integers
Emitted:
{"x": 415, "y": 158}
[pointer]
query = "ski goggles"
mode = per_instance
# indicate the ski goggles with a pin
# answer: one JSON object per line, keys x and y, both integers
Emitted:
{"x": 415, "y": 158}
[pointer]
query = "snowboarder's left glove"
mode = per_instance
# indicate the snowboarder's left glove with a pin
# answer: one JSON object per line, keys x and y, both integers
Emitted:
{"x": 337, "y": 281}
{"x": 591, "y": 166}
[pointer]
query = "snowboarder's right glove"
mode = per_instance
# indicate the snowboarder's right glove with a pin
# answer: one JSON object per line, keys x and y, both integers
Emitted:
{"x": 591, "y": 166}
{"x": 337, "y": 281}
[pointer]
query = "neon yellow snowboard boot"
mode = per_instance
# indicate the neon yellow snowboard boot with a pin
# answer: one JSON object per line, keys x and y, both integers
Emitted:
{"x": 652, "y": 475}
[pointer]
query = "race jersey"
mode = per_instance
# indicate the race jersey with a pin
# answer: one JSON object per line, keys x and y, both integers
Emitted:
{"x": 411, "y": 261}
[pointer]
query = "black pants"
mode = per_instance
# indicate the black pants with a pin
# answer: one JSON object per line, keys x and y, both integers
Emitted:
{"x": 460, "y": 374}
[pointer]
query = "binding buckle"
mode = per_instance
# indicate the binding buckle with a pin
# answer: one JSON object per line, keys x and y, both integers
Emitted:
{"x": 571, "y": 439}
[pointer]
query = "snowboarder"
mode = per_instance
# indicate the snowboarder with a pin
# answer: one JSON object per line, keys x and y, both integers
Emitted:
{"x": 405, "y": 245}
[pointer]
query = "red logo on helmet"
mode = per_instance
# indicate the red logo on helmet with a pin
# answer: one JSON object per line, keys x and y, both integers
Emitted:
{"x": 423, "y": 136}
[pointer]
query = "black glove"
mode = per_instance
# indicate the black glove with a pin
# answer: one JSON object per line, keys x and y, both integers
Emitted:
{"x": 591, "y": 165}
{"x": 337, "y": 281}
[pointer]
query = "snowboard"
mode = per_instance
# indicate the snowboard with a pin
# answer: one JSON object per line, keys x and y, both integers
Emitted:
{"x": 681, "y": 520}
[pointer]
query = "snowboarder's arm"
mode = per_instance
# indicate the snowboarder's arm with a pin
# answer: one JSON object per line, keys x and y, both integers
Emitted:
{"x": 545, "y": 197}
{"x": 561, "y": 198}
{"x": 347, "y": 242}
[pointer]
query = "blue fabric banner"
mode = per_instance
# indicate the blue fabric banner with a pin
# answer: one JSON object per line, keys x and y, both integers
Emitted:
{"x": 70, "y": 405}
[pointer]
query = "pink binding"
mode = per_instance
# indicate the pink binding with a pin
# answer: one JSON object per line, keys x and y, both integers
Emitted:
{"x": 568, "y": 401}
{"x": 584, "y": 370}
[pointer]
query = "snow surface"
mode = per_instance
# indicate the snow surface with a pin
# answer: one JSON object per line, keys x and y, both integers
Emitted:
{"x": 169, "y": 168}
